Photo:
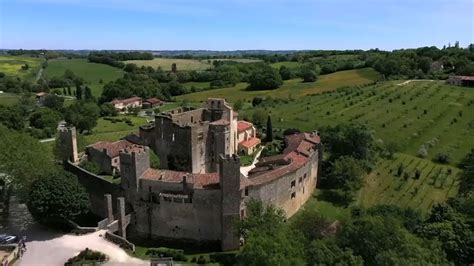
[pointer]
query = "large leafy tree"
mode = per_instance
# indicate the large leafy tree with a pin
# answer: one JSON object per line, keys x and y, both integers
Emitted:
{"x": 383, "y": 241}
{"x": 57, "y": 197}
{"x": 268, "y": 240}
{"x": 45, "y": 118}
{"x": 23, "y": 159}
{"x": 83, "y": 115}
{"x": 264, "y": 77}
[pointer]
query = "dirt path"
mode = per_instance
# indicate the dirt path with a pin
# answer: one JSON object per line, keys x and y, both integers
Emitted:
{"x": 411, "y": 80}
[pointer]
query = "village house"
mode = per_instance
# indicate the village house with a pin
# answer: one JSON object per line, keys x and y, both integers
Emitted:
{"x": 247, "y": 137}
{"x": 465, "y": 81}
{"x": 123, "y": 104}
{"x": 152, "y": 103}
{"x": 40, "y": 97}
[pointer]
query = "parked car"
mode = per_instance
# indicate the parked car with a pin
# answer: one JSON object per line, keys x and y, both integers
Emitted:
{"x": 9, "y": 240}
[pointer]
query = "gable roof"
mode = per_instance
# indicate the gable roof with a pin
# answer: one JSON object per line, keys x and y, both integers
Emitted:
{"x": 243, "y": 125}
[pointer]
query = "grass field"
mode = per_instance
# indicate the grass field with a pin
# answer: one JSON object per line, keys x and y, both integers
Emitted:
{"x": 294, "y": 88}
{"x": 288, "y": 64}
{"x": 9, "y": 98}
{"x": 108, "y": 131}
{"x": 165, "y": 63}
{"x": 185, "y": 64}
{"x": 92, "y": 73}
{"x": 11, "y": 65}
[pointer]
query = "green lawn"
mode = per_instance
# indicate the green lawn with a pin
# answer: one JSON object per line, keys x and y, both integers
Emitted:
{"x": 165, "y": 63}
{"x": 294, "y": 88}
{"x": 108, "y": 131}
{"x": 92, "y": 73}
{"x": 11, "y": 65}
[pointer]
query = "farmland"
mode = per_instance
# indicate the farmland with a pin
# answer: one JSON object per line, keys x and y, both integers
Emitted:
{"x": 165, "y": 63}
{"x": 185, "y": 64}
{"x": 294, "y": 87}
{"x": 92, "y": 73}
{"x": 418, "y": 115}
{"x": 11, "y": 65}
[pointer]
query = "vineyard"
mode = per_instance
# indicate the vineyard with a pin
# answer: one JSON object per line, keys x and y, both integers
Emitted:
{"x": 423, "y": 118}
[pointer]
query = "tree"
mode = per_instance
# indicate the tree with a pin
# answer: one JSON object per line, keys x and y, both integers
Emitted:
{"x": 258, "y": 116}
{"x": 268, "y": 240}
{"x": 45, "y": 118}
{"x": 56, "y": 198}
{"x": 327, "y": 252}
{"x": 453, "y": 231}
{"x": 285, "y": 73}
{"x": 308, "y": 74}
{"x": 54, "y": 102}
{"x": 11, "y": 117}
{"x": 174, "y": 68}
{"x": 88, "y": 93}
{"x": 107, "y": 109}
{"x": 238, "y": 105}
{"x": 23, "y": 159}
{"x": 69, "y": 91}
{"x": 355, "y": 140}
{"x": 264, "y": 77}
{"x": 269, "y": 132}
{"x": 382, "y": 241}
{"x": 79, "y": 92}
{"x": 345, "y": 174}
{"x": 83, "y": 115}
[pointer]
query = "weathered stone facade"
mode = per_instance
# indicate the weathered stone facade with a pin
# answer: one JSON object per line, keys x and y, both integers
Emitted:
{"x": 202, "y": 202}
{"x": 192, "y": 139}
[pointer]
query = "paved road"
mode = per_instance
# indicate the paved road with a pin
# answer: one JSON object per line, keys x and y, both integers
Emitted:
{"x": 45, "y": 247}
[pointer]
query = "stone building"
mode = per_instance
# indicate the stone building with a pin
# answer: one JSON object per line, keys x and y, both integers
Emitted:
{"x": 190, "y": 139}
{"x": 465, "y": 81}
{"x": 202, "y": 202}
{"x": 247, "y": 137}
{"x": 123, "y": 104}
{"x": 106, "y": 154}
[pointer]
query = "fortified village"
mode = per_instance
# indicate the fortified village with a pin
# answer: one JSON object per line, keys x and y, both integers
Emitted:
{"x": 199, "y": 192}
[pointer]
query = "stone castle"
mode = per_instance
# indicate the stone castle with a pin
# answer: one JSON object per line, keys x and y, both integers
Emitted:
{"x": 200, "y": 192}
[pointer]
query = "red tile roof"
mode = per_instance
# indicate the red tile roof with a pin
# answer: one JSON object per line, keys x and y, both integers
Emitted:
{"x": 113, "y": 148}
{"x": 464, "y": 77}
{"x": 154, "y": 101}
{"x": 126, "y": 101}
{"x": 199, "y": 180}
{"x": 252, "y": 142}
{"x": 296, "y": 154}
{"x": 243, "y": 125}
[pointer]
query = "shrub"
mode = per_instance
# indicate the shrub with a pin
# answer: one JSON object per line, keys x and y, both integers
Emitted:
{"x": 176, "y": 254}
{"x": 422, "y": 152}
{"x": 442, "y": 157}
{"x": 202, "y": 260}
{"x": 87, "y": 255}
{"x": 417, "y": 174}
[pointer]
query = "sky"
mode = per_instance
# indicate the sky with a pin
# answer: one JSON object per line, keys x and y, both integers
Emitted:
{"x": 234, "y": 24}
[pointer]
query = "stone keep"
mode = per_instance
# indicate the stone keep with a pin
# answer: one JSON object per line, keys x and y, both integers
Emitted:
{"x": 68, "y": 144}
{"x": 229, "y": 172}
{"x": 133, "y": 163}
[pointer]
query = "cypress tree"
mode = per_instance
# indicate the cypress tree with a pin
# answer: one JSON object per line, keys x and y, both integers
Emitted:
{"x": 64, "y": 91}
{"x": 269, "y": 136}
{"x": 88, "y": 93}
{"x": 69, "y": 90}
{"x": 79, "y": 92}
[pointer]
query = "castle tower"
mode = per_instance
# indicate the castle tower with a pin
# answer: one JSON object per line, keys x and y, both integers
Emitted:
{"x": 229, "y": 172}
{"x": 133, "y": 163}
{"x": 68, "y": 144}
